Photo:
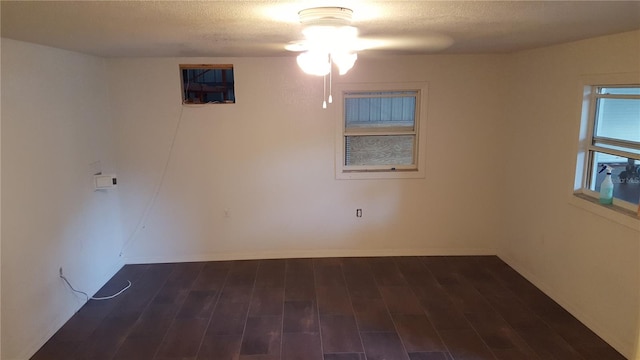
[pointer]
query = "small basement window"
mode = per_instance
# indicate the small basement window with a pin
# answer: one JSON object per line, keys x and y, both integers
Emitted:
{"x": 207, "y": 84}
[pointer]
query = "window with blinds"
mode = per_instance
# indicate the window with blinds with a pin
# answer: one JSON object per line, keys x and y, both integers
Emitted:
{"x": 380, "y": 130}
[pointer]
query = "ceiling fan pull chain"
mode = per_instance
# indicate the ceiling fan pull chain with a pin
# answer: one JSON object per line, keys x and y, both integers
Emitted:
{"x": 330, "y": 78}
{"x": 324, "y": 92}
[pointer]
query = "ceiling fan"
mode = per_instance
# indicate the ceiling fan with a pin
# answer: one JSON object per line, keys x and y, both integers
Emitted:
{"x": 330, "y": 38}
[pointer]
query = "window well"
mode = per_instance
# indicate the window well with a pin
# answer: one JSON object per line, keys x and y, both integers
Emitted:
{"x": 207, "y": 84}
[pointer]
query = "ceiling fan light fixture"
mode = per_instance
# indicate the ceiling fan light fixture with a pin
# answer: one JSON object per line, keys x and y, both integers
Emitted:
{"x": 314, "y": 63}
{"x": 329, "y": 39}
{"x": 344, "y": 61}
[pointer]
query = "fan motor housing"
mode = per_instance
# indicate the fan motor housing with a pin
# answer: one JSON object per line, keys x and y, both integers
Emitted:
{"x": 326, "y": 16}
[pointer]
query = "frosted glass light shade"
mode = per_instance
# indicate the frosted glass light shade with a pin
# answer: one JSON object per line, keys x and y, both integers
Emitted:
{"x": 314, "y": 63}
{"x": 344, "y": 61}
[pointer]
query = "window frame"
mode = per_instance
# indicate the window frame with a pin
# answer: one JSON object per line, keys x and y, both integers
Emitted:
{"x": 416, "y": 170}
{"x": 588, "y": 139}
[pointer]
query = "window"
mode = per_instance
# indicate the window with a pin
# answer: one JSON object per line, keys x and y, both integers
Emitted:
{"x": 207, "y": 84}
{"x": 379, "y": 134}
{"x": 611, "y": 137}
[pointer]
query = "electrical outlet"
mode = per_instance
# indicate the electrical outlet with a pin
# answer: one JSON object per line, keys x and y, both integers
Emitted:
{"x": 358, "y": 212}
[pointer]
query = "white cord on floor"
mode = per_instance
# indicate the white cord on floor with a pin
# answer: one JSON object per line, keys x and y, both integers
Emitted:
{"x": 114, "y": 295}
{"x": 95, "y": 298}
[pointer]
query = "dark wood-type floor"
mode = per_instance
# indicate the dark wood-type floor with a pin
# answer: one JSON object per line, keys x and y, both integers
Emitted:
{"x": 385, "y": 308}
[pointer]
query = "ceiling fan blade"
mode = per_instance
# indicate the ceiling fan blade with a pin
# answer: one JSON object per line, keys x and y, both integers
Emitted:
{"x": 410, "y": 44}
{"x": 297, "y": 46}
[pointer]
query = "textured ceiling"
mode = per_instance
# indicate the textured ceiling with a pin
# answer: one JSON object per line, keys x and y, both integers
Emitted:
{"x": 262, "y": 28}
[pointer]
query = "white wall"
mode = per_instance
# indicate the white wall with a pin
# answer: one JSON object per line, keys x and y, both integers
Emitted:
{"x": 55, "y": 126}
{"x": 586, "y": 262}
{"x": 269, "y": 160}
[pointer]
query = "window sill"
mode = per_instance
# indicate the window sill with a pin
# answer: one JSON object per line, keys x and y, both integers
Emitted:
{"x": 614, "y": 213}
{"x": 398, "y": 174}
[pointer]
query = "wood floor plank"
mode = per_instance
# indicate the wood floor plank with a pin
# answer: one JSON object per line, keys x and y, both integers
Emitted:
{"x": 228, "y": 318}
{"x": 137, "y": 348}
{"x": 383, "y": 346}
{"x": 267, "y": 301}
{"x": 299, "y": 280}
{"x": 183, "y": 338}
{"x": 301, "y": 346}
{"x": 340, "y": 334}
{"x": 334, "y": 300}
{"x": 400, "y": 300}
{"x": 220, "y": 347}
{"x": 372, "y": 315}
{"x": 465, "y": 345}
{"x": 300, "y": 317}
{"x": 345, "y": 356}
{"x": 417, "y": 333}
{"x": 262, "y": 336}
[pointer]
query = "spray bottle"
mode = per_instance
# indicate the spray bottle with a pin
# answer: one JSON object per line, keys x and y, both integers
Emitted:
{"x": 606, "y": 187}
